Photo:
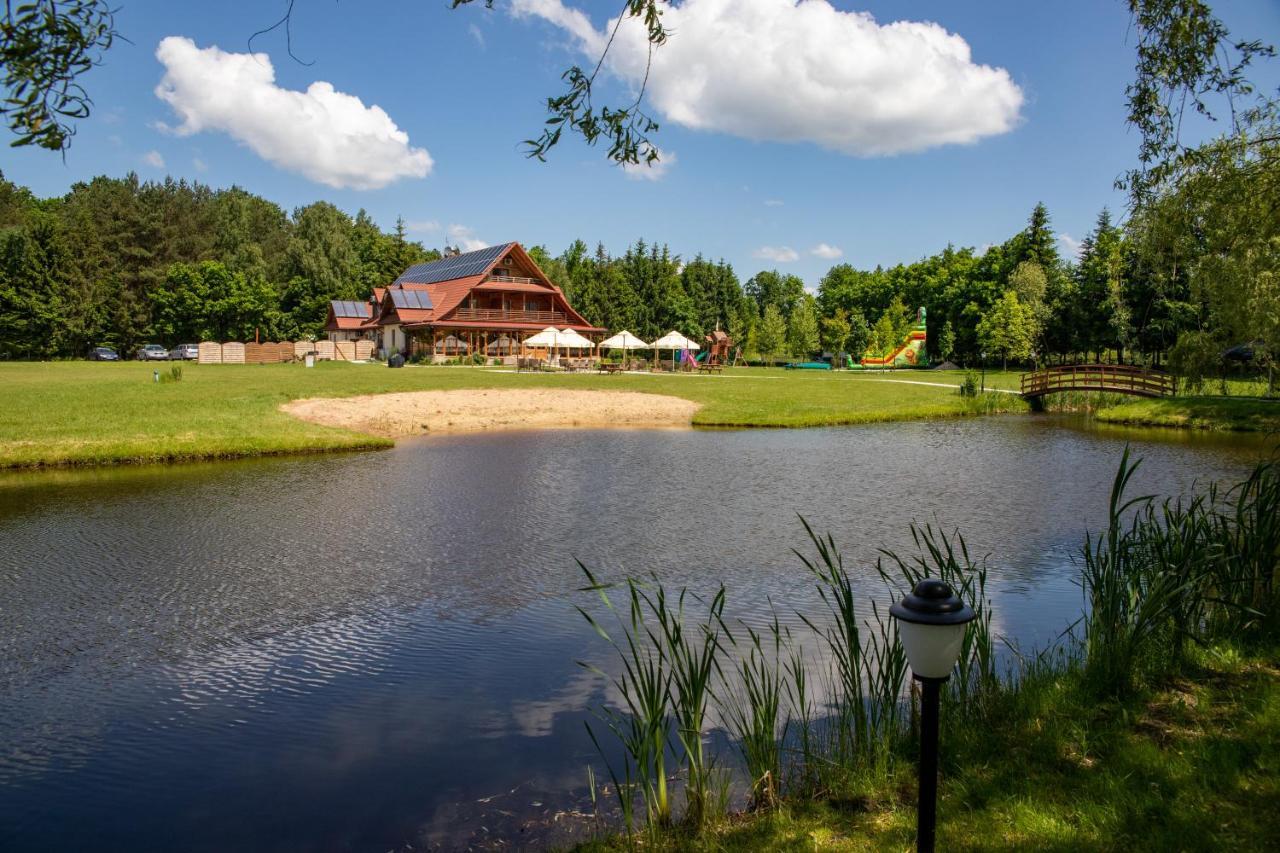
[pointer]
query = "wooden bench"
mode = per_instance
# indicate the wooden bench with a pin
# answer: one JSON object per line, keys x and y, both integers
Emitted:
{"x": 710, "y": 368}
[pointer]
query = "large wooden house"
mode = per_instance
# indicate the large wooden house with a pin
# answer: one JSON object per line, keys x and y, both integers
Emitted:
{"x": 487, "y": 301}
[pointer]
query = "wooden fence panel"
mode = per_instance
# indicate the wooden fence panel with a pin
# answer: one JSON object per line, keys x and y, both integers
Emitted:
{"x": 324, "y": 350}
{"x": 364, "y": 350}
{"x": 253, "y": 353}
{"x": 344, "y": 351}
{"x": 233, "y": 353}
{"x": 210, "y": 352}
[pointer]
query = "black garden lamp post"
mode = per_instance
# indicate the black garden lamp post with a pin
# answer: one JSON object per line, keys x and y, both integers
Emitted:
{"x": 984, "y": 372}
{"x": 931, "y": 624}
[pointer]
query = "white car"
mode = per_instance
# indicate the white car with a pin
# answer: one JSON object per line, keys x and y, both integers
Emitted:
{"x": 152, "y": 352}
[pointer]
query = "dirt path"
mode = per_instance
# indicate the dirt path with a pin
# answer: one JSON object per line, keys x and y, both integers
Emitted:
{"x": 419, "y": 412}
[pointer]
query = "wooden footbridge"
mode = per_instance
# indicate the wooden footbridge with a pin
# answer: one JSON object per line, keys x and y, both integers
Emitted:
{"x": 1116, "y": 378}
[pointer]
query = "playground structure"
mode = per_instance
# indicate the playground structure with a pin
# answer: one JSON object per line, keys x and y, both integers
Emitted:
{"x": 1117, "y": 378}
{"x": 910, "y": 353}
{"x": 717, "y": 349}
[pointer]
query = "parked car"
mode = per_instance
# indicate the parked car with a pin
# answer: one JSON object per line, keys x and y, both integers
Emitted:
{"x": 103, "y": 354}
{"x": 153, "y": 352}
{"x": 184, "y": 352}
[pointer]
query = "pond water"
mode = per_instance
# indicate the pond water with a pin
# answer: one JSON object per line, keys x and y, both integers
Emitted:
{"x": 368, "y": 651}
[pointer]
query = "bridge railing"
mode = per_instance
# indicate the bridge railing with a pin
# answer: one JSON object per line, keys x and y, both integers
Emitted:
{"x": 1124, "y": 378}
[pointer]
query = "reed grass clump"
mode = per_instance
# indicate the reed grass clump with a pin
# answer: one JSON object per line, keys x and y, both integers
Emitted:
{"x": 1170, "y": 573}
{"x": 825, "y": 711}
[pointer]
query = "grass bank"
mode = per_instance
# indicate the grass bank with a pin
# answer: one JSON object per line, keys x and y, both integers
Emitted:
{"x": 1240, "y": 414}
{"x": 83, "y": 413}
{"x": 1193, "y": 764}
{"x": 1240, "y": 409}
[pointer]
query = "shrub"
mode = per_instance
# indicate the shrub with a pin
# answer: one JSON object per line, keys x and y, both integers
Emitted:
{"x": 1195, "y": 357}
{"x": 969, "y": 387}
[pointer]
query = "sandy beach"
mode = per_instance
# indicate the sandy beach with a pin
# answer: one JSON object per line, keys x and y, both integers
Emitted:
{"x": 421, "y": 412}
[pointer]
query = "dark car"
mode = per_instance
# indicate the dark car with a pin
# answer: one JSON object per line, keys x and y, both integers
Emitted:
{"x": 103, "y": 354}
{"x": 153, "y": 352}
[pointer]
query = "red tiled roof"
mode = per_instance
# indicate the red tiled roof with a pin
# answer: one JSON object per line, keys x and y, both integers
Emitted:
{"x": 448, "y": 295}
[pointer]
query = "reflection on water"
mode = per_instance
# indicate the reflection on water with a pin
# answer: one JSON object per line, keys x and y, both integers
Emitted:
{"x": 355, "y": 652}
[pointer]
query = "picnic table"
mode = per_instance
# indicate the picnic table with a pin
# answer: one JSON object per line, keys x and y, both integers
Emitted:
{"x": 710, "y": 368}
{"x": 607, "y": 367}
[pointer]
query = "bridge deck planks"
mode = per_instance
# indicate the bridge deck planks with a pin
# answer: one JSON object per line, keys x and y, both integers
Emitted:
{"x": 1116, "y": 378}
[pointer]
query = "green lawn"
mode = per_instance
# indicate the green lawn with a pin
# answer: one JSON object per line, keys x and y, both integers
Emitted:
{"x": 63, "y": 413}
{"x": 1242, "y": 409}
{"x": 1194, "y": 765}
{"x": 83, "y": 413}
{"x": 1222, "y": 413}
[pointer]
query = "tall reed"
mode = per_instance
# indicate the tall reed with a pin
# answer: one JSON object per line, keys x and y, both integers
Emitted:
{"x": 1247, "y": 574}
{"x": 1183, "y": 570}
{"x": 694, "y": 654}
{"x": 645, "y": 687}
{"x": 869, "y": 674}
{"x": 946, "y": 557}
{"x": 753, "y": 707}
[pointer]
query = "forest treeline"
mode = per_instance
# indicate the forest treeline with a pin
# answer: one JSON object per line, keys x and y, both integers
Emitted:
{"x": 120, "y": 262}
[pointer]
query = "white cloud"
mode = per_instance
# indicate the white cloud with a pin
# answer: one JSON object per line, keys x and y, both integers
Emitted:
{"x": 777, "y": 254}
{"x": 153, "y": 159}
{"x": 824, "y": 250}
{"x": 803, "y": 71}
{"x": 201, "y": 166}
{"x": 476, "y": 34}
{"x": 773, "y": 202}
{"x": 326, "y": 135}
{"x": 655, "y": 171}
{"x": 464, "y": 238}
{"x": 422, "y": 226}
{"x": 1070, "y": 244}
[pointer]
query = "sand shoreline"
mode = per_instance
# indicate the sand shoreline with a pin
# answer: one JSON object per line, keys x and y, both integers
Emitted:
{"x": 397, "y": 415}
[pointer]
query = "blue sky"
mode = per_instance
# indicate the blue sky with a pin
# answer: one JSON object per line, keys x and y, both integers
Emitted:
{"x": 467, "y": 85}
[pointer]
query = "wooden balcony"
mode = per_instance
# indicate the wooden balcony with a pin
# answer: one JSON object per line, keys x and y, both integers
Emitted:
{"x": 513, "y": 279}
{"x": 502, "y": 315}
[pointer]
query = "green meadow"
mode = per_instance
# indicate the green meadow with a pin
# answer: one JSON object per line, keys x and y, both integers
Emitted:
{"x": 74, "y": 413}
{"x": 83, "y": 413}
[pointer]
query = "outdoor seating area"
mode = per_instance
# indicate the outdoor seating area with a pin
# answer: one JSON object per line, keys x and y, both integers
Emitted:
{"x": 555, "y": 365}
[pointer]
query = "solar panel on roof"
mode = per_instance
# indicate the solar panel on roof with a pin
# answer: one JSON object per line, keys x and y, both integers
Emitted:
{"x": 417, "y": 299}
{"x": 456, "y": 266}
{"x": 347, "y": 308}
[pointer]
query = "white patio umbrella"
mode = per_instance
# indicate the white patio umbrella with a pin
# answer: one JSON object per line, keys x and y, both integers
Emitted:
{"x": 573, "y": 340}
{"x": 550, "y": 337}
{"x": 673, "y": 341}
{"x": 624, "y": 341}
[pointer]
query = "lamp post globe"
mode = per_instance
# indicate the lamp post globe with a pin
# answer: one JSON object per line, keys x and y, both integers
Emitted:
{"x": 931, "y": 622}
{"x": 931, "y": 625}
